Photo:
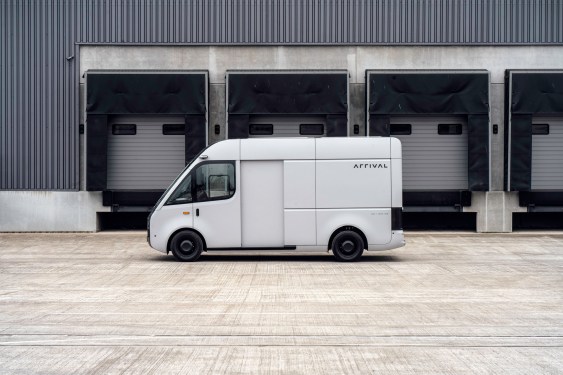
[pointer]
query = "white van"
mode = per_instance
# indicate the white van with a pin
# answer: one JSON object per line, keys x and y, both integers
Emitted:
{"x": 339, "y": 194}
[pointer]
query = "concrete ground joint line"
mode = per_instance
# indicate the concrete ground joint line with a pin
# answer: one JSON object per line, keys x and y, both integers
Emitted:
{"x": 449, "y": 345}
{"x": 287, "y": 335}
{"x": 214, "y": 313}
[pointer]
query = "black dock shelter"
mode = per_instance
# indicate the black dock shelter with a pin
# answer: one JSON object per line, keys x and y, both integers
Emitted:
{"x": 442, "y": 118}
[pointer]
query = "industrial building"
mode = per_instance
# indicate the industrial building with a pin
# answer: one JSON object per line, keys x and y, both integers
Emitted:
{"x": 103, "y": 102}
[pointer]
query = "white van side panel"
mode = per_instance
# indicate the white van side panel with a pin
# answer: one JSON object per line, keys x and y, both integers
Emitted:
{"x": 277, "y": 149}
{"x": 169, "y": 219}
{"x": 396, "y": 148}
{"x": 300, "y": 227}
{"x": 374, "y": 223}
{"x": 353, "y": 183}
{"x": 219, "y": 222}
{"x": 353, "y": 148}
{"x": 262, "y": 213}
{"x": 299, "y": 184}
{"x": 224, "y": 150}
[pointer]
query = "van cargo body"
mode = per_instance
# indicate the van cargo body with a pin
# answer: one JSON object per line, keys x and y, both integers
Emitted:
{"x": 339, "y": 194}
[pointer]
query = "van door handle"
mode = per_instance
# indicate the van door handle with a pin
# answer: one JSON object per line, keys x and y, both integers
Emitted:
{"x": 197, "y": 212}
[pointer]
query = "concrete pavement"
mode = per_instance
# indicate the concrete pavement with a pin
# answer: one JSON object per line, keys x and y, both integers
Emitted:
{"x": 447, "y": 303}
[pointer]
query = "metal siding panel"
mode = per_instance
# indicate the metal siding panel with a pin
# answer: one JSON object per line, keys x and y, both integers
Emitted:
{"x": 547, "y": 154}
{"x": 39, "y": 86}
{"x": 317, "y": 21}
{"x": 37, "y": 105}
{"x": 147, "y": 160}
{"x": 432, "y": 161}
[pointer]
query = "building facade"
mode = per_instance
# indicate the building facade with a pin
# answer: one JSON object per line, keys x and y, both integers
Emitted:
{"x": 103, "y": 102}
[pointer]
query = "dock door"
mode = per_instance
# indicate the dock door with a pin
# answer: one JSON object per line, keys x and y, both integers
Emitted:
{"x": 442, "y": 120}
{"x": 144, "y": 152}
{"x": 142, "y": 127}
{"x": 547, "y": 153}
{"x": 434, "y": 152}
{"x": 263, "y": 104}
{"x": 534, "y": 146}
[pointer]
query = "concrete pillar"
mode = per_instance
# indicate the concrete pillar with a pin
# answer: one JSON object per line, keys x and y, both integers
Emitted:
{"x": 494, "y": 210}
{"x": 217, "y": 112}
{"x": 357, "y": 108}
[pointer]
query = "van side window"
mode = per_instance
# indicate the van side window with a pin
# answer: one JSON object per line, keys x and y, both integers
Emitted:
{"x": 214, "y": 181}
{"x": 208, "y": 181}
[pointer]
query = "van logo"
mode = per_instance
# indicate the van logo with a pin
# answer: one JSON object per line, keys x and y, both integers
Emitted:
{"x": 371, "y": 165}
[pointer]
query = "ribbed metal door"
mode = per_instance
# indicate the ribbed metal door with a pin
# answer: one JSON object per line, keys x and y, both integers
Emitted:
{"x": 547, "y": 153}
{"x": 286, "y": 126}
{"x": 147, "y": 159}
{"x": 432, "y": 161}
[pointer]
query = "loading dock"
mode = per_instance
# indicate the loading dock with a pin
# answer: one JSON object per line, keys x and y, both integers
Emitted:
{"x": 435, "y": 152}
{"x": 144, "y": 152}
{"x": 262, "y": 104}
{"x": 442, "y": 118}
{"x": 534, "y": 145}
{"x": 141, "y": 129}
{"x": 547, "y": 153}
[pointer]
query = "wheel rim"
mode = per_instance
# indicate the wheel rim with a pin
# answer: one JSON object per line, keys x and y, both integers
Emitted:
{"x": 348, "y": 246}
{"x": 187, "y": 247}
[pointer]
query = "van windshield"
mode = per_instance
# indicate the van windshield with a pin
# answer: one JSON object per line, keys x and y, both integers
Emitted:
{"x": 188, "y": 165}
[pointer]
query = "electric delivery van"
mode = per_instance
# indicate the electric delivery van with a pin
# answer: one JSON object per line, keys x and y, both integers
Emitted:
{"x": 339, "y": 194}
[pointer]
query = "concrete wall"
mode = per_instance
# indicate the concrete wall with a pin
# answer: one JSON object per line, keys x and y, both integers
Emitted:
{"x": 494, "y": 208}
{"x": 355, "y": 59}
{"x": 70, "y": 211}
{"x": 46, "y": 211}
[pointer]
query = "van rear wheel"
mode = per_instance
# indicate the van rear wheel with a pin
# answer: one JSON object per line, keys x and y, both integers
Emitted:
{"x": 186, "y": 246}
{"x": 347, "y": 246}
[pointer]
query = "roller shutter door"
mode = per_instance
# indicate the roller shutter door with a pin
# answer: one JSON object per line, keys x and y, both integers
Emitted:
{"x": 286, "y": 126}
{"x": 547, "y": 153}
{"x": 140, "y": 156}
{"x": 434, "y": 152}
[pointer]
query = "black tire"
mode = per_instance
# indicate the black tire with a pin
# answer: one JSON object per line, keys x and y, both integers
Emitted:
{"x": 347, "y": 246}
{"x": 186, "y": 246}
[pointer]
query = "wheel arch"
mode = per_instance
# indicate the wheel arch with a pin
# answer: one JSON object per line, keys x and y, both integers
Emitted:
{"x": 181, "y": 230}
{"x": 350, "y": 228}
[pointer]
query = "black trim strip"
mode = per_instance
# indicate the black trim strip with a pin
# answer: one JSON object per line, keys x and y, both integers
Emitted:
{"x": 136, "y": 198}
{"x": 254, "y": 248}
{"x": 540, "y": 198}
{"x": 396, "y": 218}
{"x": 97, "y": 152}
{"x": 436, "y": 198}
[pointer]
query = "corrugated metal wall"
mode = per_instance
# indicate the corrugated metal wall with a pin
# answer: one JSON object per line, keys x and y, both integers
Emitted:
{"x": 39, "y": 96}
{"x": 321, "y": 21}
{"x": 39, "y": 67}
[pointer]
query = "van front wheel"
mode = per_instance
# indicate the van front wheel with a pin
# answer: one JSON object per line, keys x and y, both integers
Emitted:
{"x": 186, "y": 246}
{"x": 347, "y": 246}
